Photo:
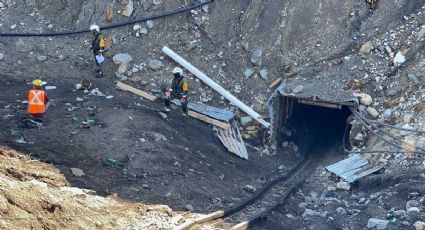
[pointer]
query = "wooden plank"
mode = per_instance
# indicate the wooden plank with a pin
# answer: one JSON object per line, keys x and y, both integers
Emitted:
{"x": 139, "y": 92}
{"x": 209, "y": 120}
{"x": 275, "y": 83}
{"x": 201, "y": 220}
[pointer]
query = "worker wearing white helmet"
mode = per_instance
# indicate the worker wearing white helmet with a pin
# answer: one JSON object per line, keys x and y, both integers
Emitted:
{"x": 179, "y": 89}
{"x": 98, "y": 47}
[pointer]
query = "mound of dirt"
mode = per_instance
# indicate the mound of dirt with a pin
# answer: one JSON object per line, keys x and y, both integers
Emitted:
{"x": 35, "y": 195}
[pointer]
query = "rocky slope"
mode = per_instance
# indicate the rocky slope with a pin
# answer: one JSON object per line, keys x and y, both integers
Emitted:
{"x": 35, "y": 195}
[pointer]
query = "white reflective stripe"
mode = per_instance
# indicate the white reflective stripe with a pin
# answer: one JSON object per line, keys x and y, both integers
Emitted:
{"x": 36, "y": 99}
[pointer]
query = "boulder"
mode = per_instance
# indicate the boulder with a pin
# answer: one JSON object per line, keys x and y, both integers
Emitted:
{"x": 41, "y": 58}
{"x": 248, "y": 72}
{"x": 399, "y": 58}
{"x": 377, "y": 223}
{"x": 77, "y": 172}
{"x": 343, "y": 185}
{"x": 372, "y": 112}
{"x": 366, "y": 99}
{"x": 256, "y": 56}
{"x": 366, "y": 48}
{"x": 249, "y": 188}
{"x": 122, "y": 58}
{"x": 155, "y": 64}
{"x": 419, "y": 225}
{"x": 298, "y": 89}
{"x": 128, "y": 9}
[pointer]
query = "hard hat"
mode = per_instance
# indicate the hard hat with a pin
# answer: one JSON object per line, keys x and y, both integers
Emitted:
{"x": 178, "y": 70}
{"x": 95, "y": 27}
{"x": 37, "y": 82}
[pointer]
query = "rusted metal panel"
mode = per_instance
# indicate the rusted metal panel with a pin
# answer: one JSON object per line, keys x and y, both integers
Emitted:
{"x": 353, "y": 168}
{"x": 232, "y": 140}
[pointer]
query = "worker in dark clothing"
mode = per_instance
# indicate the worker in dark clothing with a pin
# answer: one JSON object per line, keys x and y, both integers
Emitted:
{"x": 179, "y": 89}
{"x": 98, "y": 47}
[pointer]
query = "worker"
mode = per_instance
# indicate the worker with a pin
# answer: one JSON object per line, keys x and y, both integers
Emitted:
{"x": 373, "y": 4}
{"x": 37, "y": 100}
{"x": 179, "y": 89}
{"x": 98, "y": 47}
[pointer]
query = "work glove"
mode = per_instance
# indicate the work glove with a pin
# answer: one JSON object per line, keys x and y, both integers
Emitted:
{"x": 183, "y": 100}
{"x": 168, "y": 94}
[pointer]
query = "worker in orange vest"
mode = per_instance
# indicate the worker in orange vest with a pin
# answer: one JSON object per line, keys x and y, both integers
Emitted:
{"x": 37, "y": 100}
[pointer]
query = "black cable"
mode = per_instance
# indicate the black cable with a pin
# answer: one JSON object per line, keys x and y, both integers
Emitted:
{"x": 360, "y": 117}
{"x": 109, "y": 26}
{"x": 395, "y": 127}
{"x": 399, "y": 142}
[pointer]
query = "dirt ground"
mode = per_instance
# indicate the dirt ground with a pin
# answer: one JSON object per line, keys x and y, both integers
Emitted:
{"x": 174, "y": 161}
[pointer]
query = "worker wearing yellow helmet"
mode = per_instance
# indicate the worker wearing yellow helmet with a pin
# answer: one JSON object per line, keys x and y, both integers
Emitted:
{"x": 179, "y": 89}
{"x": 37, "y": 100}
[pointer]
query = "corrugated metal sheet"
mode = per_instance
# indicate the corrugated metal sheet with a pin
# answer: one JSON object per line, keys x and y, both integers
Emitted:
{"x": 353, "y": 168}
{"x": 216, "y": 113}
{"x": 232, "y": 140}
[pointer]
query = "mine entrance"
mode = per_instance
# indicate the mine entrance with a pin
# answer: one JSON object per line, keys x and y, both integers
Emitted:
{"x": 309, "y": 122}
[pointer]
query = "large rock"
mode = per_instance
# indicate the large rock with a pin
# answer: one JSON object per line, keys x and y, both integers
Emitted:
{"x": 372, "y": 112}
{"x": 343, "y": 185}
{"x": 399, "y": 58}
{"x": 248, "y": 72}
{"x": 21, "y": 46}
{"x": 155, "y": 64}
{"x": 41, "y": 58}
{"x": 421, "y": 33}
{"x": 77, "y": 172}
{"x": 419, "y": 225}
{"x": 366, "y": 99}
{"x": 122, "y": 58}
{"x": 298, "y": 89}
{"x": 377, "y": 223}
{"x": 256, "y": 56}
{"x": 413, "y": 78}
{"x": 420, "y": 107}
{"x": 128, "y": 9}
{"x": 366, "y": 48}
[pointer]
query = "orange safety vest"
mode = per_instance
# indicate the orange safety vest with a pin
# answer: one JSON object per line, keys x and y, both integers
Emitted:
{"x": 36, "y": 102}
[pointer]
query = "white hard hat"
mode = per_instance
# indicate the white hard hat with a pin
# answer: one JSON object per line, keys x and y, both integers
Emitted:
{"x": 95, "y": 27}
{"x": 178, "y": 70}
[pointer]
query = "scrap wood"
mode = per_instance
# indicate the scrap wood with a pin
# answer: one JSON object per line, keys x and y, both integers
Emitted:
{"x": 193, "y": 114}
{"x": 201, "y": 220}
{"x": 139, "y": 92}
{"x": 275, "y": 83}
{"x": 209, "y": 120}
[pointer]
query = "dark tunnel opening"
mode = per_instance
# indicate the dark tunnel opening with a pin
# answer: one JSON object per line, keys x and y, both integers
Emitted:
{"x": 313, "y": 125}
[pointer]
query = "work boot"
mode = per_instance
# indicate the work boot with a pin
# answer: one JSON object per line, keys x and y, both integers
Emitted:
{"x": 166, "y": 109}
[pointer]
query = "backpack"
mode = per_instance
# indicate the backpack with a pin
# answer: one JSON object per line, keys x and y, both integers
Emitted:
{"x": 98, "y": 44}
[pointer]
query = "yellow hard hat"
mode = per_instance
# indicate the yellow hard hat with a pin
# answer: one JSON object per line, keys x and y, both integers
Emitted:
{"x": 37, "y": 82}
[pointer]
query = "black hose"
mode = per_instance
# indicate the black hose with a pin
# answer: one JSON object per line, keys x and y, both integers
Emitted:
{"x": 109, "y": 26}
{"x": 230, "y": 211}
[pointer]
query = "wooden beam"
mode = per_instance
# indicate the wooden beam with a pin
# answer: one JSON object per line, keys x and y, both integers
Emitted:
{"x": 275, "y": 83}
{"x": 139, "y": 92}
{"x": 193, "y": 114}
{"x": 209, "y": 120}
{"x": 201, "y": 220}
